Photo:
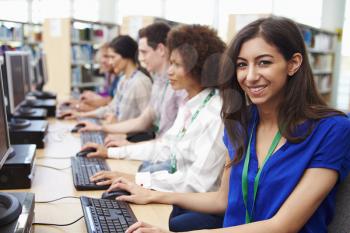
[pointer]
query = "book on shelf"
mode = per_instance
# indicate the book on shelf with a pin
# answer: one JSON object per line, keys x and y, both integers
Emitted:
{"x": 82, "y": 54}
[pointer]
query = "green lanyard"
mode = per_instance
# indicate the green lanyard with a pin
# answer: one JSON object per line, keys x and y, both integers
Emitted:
{"x": 276, "y": 139}
{"x": 183, "y": 131}
{"x": 157, "y": 123}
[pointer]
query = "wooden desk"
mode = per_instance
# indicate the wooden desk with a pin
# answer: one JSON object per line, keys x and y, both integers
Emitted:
{"x": 49, "y": 184}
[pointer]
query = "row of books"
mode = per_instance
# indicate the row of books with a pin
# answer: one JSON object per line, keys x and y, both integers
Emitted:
{"x": 318, "y": 40}
{"x": 82, "y": 53}
{"x": 321, "y": 62}
{"x": 90, "y": 35}
{"x": 11, "y": 33}
{"x": 81, "y": 74}
{"x": 323, "y": 83}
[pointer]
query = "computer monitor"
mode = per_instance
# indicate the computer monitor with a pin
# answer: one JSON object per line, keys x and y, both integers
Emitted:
{"x": 5, "y": 147}
{"x": 15, "y": 79}
{"x": 14, "y": 85}
{"x": 43, "y": 67}
{"x": 28, "y": 72}
{"x": 41, "y": 72}
{"x": 13, "y": 208}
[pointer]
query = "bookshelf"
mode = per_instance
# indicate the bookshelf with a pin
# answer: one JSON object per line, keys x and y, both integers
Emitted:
{"x": 71, "y": 45}
{"x": 321, "y": 50}
{"x": 320, "y": 46}
{"x": 20, "y": 36}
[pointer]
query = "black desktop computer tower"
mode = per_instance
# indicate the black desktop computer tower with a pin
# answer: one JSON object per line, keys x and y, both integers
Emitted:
{"x": 18, "y": 171}
{"x": 23, "y": 224}
{"x": 32, "y": 134}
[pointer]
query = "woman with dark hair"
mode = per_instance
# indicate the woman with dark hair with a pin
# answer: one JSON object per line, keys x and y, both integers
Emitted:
{"x": 287, "y": 151}
{"x": 134, "y": 88}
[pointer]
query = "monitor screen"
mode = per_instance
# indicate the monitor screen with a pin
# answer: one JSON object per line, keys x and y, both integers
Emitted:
{"x": 43, "y": 68}
{"x": 15, "y": 78}
{"x": 38, "y": 79}
{"x": 5, "y": 87}
{"x": 28, "y": 72}
{"x": 5, "y": 148}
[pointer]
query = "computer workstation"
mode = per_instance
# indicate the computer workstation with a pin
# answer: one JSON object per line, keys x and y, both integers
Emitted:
{"x": 38, "y": 99}
{"x": 117, "y": 215}
{"x": 22, "y": 130}
{"x": 41, "y": 77}
{"x": 16, "y": 77}
{"x": 16, "y": 209}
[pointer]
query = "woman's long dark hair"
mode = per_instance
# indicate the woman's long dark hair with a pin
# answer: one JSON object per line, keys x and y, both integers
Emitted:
{"x": 127, "y": 48}
{"x": 301, "y": 101}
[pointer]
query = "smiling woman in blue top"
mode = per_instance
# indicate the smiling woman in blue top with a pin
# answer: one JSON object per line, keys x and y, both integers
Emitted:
{"x": 287, "y": 151}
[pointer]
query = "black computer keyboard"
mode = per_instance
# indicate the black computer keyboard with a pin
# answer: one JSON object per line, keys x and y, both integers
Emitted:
{"x": 92, "y": 136}
{"x": 105, "y": 215}
{"x": 83, "y": 168}
{"x": 90, "y": 119}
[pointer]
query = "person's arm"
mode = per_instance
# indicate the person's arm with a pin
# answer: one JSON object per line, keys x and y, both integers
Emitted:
{"x": 138, "y": 151}
{"x": 102, "y": 111}
{"x": 312, "y": 189}
{"x": 199, "y": 164}
{"x": 201, "y": 202}
{"x": 98, "y": 102}
{"x": 139, "y": 124}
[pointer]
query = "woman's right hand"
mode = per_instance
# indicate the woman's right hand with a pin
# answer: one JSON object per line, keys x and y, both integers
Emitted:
{"x": 101, "y": 151}
{"x": 87, "y": 96}
{"x": 139, "y": 195}
{"x": 89, "y": 126}
{"x": 69, "y": 115}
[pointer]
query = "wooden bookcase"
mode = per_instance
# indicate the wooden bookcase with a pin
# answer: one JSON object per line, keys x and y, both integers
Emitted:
{"x": 71, "y": 45}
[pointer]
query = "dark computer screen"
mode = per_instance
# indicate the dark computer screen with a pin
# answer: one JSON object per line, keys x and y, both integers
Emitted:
{"x": 5, "y": 88}
{"x": 15, "y": 78}
{"x": 43, "y": 68}
{"x": 5, "y": 148}
{"x": 28, "y": 72}
{"x": 38, "y": 79}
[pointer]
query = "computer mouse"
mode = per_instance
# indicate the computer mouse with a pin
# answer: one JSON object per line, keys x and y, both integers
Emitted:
{"x": 66, "y": 104}
{"x": 84, "y": 153}
{"x": 77, "y": 127}
{"x": 114, "y": 194}
{"x": 64, "y": 115}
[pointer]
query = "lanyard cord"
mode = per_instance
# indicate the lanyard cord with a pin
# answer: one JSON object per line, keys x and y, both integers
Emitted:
{"x": 276, "y": 140}
{"x": 182, "y": 132}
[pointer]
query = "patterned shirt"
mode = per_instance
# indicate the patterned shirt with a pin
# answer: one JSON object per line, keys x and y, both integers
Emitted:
{"x": 131, "y": 98}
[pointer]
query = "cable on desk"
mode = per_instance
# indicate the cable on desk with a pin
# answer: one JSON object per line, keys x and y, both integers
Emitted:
{"x": 54, "y": 157}
{"x": 56, "y": 199}
{"x": 54, "y": 224}
{"x": 56, "y": 168}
